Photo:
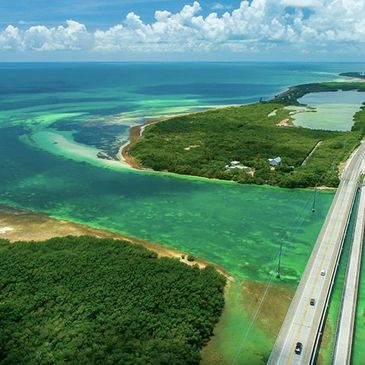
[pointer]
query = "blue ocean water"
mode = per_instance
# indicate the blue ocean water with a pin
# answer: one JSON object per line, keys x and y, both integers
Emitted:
{"x": 55, "y": 117}
{"x": 82, "y": 97}
{"x": 209, "y": 83}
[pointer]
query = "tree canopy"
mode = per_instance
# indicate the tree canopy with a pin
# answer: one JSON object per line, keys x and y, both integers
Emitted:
{"x": 84, "y": 300}
{"x": 202, "y": 144}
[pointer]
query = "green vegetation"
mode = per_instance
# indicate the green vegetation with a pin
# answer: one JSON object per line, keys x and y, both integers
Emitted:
{"x": 203, "y": 144}
{"x": 99, "y": 301}
{"x": 359, "y": 75}
{"x": 291, "y": 96}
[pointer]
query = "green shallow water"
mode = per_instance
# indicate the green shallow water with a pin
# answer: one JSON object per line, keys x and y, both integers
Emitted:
{"x": 237, "y": 227}
{"x": 231, "y": 225}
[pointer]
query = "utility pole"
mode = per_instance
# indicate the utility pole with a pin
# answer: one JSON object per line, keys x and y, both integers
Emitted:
{"x": 314, "y": 199}
{"x": 279, "y": 263}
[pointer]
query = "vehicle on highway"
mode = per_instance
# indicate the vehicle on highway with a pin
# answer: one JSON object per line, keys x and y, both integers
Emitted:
{"x": 298, "y": 348}
{"x": 323, "y": 272}
{"x": 312, "y": 302}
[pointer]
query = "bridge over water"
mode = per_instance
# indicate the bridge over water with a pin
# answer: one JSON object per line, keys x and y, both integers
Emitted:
{"x": 305, "y": 318}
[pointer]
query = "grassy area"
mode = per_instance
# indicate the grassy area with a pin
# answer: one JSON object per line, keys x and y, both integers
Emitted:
{"x": 84, "y": 300}
{"x": 203, "y": 144}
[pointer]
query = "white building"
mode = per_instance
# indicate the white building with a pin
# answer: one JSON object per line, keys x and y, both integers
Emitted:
{"x": 275, "y": 161}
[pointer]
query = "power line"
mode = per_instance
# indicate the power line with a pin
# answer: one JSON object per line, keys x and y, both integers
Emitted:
{"x": 279, "y": 256}
{"x": 300, "y": 220}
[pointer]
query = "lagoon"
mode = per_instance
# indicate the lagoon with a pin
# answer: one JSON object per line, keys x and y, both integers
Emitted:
{"x": 329, "y": 110}
{"x": 43, "y": 169}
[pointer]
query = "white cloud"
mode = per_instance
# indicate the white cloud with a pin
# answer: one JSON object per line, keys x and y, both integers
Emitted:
{"x": 73, "y": 36}
{"x": 254, "y": 25}
{"x": 302, "y": 3}
{"x": 10, "y": 38}
{"x": 219, "y": 6}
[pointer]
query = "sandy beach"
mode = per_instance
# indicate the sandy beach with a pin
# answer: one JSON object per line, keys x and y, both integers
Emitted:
{"x": 137, "y": 131}
{"x": 18, "y": 225}
{"x": 134, "y": 134}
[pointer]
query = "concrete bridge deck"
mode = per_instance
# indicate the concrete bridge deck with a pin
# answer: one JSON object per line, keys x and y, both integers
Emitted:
{"x": 343, "y": 348}
{"x": 303, "y": 322}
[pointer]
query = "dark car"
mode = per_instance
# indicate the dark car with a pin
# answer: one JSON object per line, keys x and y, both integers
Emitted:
{"x": 312, "y": 302}
{"x": 298, "y": 348}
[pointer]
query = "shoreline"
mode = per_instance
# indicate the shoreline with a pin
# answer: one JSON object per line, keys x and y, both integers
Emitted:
{"x": 291, "y": 94}
{"x": 21, "y": 225}
{"x": 136, "y": 132}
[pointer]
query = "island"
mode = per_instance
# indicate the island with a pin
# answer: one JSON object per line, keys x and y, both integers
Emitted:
{"x": 357, "y": 75}
{"x": 103, "y": 301}
{"x": 256, "y": 143}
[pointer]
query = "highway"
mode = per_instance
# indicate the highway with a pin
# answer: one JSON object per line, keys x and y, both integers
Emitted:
{"x": 303, "y": 322}
{"x": 342, "y": 355}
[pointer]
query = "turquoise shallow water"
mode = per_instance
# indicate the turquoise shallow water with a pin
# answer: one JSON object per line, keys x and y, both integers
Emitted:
{"x": 237, "y": 227}
{"x": 54, "y": 119}
{"x": 226, "y": 223}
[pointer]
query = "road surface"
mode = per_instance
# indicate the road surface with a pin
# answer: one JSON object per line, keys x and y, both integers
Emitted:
{"x": 303, "y": 321}
{"x": 342, "y": 355}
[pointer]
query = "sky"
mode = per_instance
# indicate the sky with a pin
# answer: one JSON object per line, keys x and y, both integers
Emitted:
{"x": 181, "y": 30}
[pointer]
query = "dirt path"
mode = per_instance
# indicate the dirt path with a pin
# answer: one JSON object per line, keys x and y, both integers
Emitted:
{"x": 311, "y": 153}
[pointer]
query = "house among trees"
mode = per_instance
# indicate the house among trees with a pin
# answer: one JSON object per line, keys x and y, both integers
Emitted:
{"x": 275, "y": 161}
{"x": 235, "y": 165}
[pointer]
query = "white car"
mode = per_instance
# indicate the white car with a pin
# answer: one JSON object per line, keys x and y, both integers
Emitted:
{"x": 323, "y": 272}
